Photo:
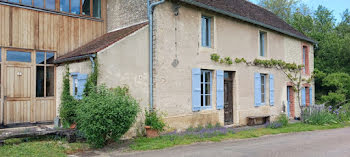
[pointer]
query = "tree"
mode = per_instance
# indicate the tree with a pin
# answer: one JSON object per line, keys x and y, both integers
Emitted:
{"x": 282, "y": 8}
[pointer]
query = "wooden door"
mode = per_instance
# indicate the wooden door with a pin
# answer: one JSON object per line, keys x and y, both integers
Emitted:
{"x": 228, "y": 98}
{"x": 290, "y": 101}
{"x": 18, "y": 93}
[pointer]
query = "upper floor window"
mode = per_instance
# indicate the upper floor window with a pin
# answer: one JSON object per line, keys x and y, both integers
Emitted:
{"x": 206, "y": 31}
{"x": 262, "y": 43}
{"x": 78, "y": 7}
{"x": 305, "y": 60}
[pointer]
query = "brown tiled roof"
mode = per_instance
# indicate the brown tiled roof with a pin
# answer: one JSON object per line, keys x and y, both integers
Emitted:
{"x": 100, "y": 43}
{"x": 249, "y": 12}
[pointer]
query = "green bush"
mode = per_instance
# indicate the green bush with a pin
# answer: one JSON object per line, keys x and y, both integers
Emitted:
{"x": 320, "y": 118}
{"x": 68, "y": 103}
{"x": 154, "y": 120}
{"x": 106, "y": 115}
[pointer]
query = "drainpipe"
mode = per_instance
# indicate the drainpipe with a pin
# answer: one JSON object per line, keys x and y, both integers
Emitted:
{"x": 150, "y": 9}
{"x": 92, "y": 62}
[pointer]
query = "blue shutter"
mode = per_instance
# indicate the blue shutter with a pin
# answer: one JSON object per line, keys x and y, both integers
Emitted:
{"x": 310, "y": 96}
{"x": 257, "y": 93}
{"x": 220, "y": 89}
{"x": 272, "y": 90}
{"x": 196, "y": 89}
{"x": 82, "y": 78}
{"x": 204, "y": 33}
{"x": 303, "y": 98}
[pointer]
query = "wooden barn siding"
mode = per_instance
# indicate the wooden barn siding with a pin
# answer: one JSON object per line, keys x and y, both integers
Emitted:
{"x": 30, "y": 29}
{"x": 36, "y": 30}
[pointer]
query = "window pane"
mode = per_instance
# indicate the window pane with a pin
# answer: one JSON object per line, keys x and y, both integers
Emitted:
{"x": 50, "y": 57}
{"x": 39, "y": 3}
{"x": 39, "y": 81}
{"x": 27, "y": 2}
{"x": 207, "y": 88}
{"x": 0, "y": 56}
{"x": 75, "y": 7}
{"x": 207, "y": 76}
{"x": 97, "y": 8}
{"x": 202, "y": 100}
{"x": 18, "y": 56}
{"x": 75, "y": 86}
{"x": 64, "y": 5}
{"x": 86, "y": 7}
{"x": 202, "y": 88}
{"x": 50, "y": 4}
{"x": 207, "y": 100}
{"x": 14, "y": 1}
{"x": 40, "y": 58}
{"x": 50, "y": 72}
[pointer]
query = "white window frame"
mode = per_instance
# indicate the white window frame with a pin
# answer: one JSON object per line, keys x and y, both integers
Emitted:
{"x": 203, "y": 94}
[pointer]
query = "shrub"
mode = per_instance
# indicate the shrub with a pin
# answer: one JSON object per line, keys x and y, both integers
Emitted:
{"x": 69, "y": 104}
{"x": 320, "y": 118}
{"x": 282, "y": 121}
{"x": 215, "y": 57}
{"x": 106, "y": 115}
{"x": 154, "y": 120}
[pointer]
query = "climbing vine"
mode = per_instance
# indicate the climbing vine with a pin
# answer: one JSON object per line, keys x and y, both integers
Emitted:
{"x": 91, "y": 82}
{"x": 68, "y": 103}
{"x": 291, "y": 70}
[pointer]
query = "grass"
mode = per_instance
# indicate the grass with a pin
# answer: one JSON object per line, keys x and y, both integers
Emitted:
{"x": 45, "y": 146}
{"x": 174, "y": 140}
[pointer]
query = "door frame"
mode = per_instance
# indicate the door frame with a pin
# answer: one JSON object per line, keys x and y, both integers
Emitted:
{"x": 231, "y": 80}
{"x": 33, "y": 98}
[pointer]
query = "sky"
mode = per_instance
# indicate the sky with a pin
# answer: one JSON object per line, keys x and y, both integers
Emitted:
{"x": 337, "y": 6}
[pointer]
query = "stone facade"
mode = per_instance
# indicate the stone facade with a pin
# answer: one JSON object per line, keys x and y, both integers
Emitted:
{"x": 177, "y": 39}
{"x": 123, "y": 13}
{"x": 177, "y": 50}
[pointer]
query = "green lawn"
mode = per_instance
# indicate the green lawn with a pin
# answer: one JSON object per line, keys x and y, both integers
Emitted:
{"x": 35, "y": 147}
{"x": 174, "y": 140}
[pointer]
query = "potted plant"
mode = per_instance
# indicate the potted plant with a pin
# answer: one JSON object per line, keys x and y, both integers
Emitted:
{"x": 153, "y": 124}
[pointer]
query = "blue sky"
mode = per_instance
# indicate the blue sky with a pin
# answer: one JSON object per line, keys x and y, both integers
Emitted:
{"x": 337, "y": 6}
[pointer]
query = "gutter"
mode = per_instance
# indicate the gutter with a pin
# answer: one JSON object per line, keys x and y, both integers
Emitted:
{"x": 150, "y": 9}
{"x": 201, "y": 5}
{"x": 71, "y": 59}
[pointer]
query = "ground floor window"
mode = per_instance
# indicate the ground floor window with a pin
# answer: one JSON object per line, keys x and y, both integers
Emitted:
{"x": 206, "y": 88}
{"x": 45, "y": 73}
{"x": 263, "y": 88}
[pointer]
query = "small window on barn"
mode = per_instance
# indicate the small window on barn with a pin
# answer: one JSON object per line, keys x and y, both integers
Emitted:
{"x": 45, "y": 72}
{"x": 18, "y": 56}
{"x": 86, "y": 7}
{"x": 75, "y": 7}
{"x": 96, "y": 8}
{"x": 27, "y": 2}
{"x": 50, "y": 4}
{"x": 14, "y": 1}
{"x": 79, "y": 82}
{"x": 39, "y": 3}
{"x": 64, "y": 5}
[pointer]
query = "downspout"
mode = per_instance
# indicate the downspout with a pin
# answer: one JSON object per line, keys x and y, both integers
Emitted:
{"x": 92, "y": 62}
{"x": 150, "y": 8}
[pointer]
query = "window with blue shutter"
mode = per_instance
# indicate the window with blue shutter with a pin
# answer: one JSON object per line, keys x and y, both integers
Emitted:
{"x": 257, "y": 89}
{"x": 196, "y": 89}
{"x": 310, "y": 96}
{"x": 303, "y": 97}
{"x": 220, "y": 89}
{"x": 206, "y": 31}
{"x": 79, "y": 82}
{"x": 272, "y": 90}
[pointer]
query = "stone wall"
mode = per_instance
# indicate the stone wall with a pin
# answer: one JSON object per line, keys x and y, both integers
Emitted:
{"x": 178, "y": 50}
{"x": 123, "y": 13}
